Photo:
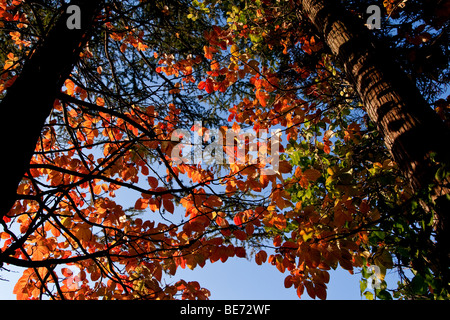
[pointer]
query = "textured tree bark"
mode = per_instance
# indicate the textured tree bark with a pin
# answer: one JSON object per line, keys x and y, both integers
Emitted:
{"x": 412, "y": 131}
{"x": 30, "y": 99}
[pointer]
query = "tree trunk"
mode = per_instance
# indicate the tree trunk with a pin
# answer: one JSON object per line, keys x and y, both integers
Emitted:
{"x": 30, "y": 99}
{"x": 412, "y": 131}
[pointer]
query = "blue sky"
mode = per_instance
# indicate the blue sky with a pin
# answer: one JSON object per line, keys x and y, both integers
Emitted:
{"x": 239, "y": 279}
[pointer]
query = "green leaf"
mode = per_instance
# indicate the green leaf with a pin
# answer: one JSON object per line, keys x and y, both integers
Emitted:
{"x": 418, "y": 285}
{"x": 441, "y": 174}
{"x": 365, "y": 273}
{"x": 384, "y": 295}
{"x": 379, "y": 234}
{"x": 363, "y": 285}
{"x": 255, "y": 38}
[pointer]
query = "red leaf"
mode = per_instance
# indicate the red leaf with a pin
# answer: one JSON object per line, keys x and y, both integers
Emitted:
{"x": 288, "y": 282}
{"x": 310, "y": 289}
{"x": 320, "y": 291}
{"x": 66, "y": 272}
{"x": 209, "y": 86}
{"x": 153, "y": 182}
{"x": 240, "y": 235}
{"x": 237, "y": 220}
{"x": 168, "y": 205}
{"x": 201, "y": 85}
{"x": 240, "y": 252}
{"x": 300, "y": 290}
{"x": 95, "y": 276}
{"x": 249, "y": 228}
{"x": 261, "y": 257}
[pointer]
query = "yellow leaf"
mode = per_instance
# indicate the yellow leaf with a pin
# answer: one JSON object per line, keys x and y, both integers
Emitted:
{"x": 66, "y": 222}
{"x": 234, "y": 50}
{"x": 330, "y": 171}
{"x": 142, "y": 47}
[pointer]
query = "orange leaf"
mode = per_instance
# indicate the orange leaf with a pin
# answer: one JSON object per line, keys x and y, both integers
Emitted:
{"x": 100, "y": 102}
{"x": 95, "y": 275}
{"x": 213, "y": 201}
{"x": 20, "y": 288}
{"x": 223, "y": 223}
{"x": 201, "y": 85}
{"x": 209, "y": 52}
{"x": 144, "y": 170}
{"x": 84, "y": 233}
{"x": 215, "y": 65}
{"x": 262, "y": 97}
{"x": 141, "y": 204}
{"x": 70, "y": 87}
{"x": 55, "y": 232}
{"x": 98, "y": 189}
{"x": 298, "y": 173}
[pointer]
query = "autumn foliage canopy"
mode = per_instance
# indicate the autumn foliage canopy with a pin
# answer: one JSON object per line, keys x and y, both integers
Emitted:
{"x": 104, "y": 195}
